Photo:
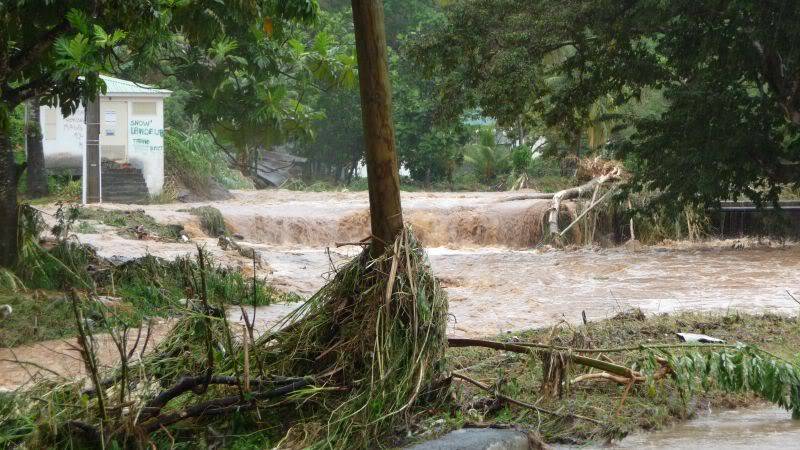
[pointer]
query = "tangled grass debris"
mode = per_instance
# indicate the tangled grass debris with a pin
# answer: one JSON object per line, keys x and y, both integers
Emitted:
{"x": 346, "y": 370}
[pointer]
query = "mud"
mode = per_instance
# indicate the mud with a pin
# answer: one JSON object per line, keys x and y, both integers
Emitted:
{"x": 60, "y": 359}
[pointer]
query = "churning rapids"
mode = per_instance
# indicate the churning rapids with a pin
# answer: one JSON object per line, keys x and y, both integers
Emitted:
{"x": 480, "y": 247}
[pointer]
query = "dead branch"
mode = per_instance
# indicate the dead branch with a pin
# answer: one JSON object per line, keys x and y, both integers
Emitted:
{"x": 516, "y": 348}
{"x": 586, "y": 211}
{"x": 88, "y": 355}
{"x": 521, "y": 403}
{"x": 601, "y": 375}
{"x": 219, "y": 406}
{"x": 197, "y": 383}
{"x": 576, "y": 192}
{"x": 537, "y": 196}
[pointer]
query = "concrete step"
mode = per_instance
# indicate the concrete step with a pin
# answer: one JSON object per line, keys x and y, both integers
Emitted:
{"x": 123, "y": 184}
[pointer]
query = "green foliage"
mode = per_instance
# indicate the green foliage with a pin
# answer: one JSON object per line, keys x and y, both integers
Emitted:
{"x": 9, "y": 281}
{"x": 195, "y": 160}
{"x": 337, "y": 145}
{"x": 696, "y": 92}
{"x": 488, "y": 159}
{"x": 251, "y": 57}
{"x": 63, "y": 188}
{"x": 57, "y": 50}
{"x": 521, "y": 158}
{"x": 429, "y": 150}
{"x": 742, "y": 369}
{"x": 211, "y": 220}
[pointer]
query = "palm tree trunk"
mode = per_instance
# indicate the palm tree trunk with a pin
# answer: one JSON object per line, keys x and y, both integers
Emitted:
{"x": 37, "y": 178}
{"x": 383, "y": 179}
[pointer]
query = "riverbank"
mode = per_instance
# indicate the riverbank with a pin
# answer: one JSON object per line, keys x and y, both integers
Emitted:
{"x": 601, "y": 411}
{"x": 589, "y": 412}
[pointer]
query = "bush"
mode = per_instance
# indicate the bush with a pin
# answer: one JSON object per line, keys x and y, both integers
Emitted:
{"x": 211, "y": 220}
{"x": 195, "y": 160}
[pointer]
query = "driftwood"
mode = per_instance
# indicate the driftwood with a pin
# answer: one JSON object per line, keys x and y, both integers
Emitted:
{"x": 611, "y": 370}
{"x": 566, "y": 194}
{"x": 586, "y": 211}
{"x": 537, "y": 196}
{"x": 516, "y": 348}
{"x": 575, "y": 192}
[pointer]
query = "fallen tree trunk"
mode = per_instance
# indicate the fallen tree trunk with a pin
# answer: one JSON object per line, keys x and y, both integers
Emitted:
{"x": 586, "y": 211}
{"x": 537, "y": 196}
{"x": 575, "y": 192}
{"x": 600, "y": 364}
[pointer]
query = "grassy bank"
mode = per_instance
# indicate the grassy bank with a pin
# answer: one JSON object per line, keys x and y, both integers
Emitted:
{"x": 591, "y": 411}
{"x": 125, "y": 294}
{"x": 618, "y": 409}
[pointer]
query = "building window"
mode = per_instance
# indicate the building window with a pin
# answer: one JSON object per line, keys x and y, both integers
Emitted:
{"x": 143, "y": 108}
{"x": 50, "y": 128}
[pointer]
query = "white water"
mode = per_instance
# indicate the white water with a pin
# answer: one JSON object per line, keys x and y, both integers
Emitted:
{"x": 474, "y": 248}
{"x": 479, "y": 248}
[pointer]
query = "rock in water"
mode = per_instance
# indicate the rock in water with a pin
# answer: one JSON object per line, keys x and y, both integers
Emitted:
{"x": 5, "y": 311}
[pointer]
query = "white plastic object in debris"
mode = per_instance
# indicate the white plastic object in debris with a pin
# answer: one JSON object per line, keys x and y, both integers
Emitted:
{"x": 701, "y": 338}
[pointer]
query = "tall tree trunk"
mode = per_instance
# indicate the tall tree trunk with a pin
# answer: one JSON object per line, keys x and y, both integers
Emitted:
{"x": 8, "y": 200}
{"x": 383, "y": 179}
{"x": 37, "y": 178}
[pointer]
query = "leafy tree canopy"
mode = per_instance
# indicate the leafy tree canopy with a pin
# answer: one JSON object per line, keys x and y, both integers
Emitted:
{"x": 727, "y": 74}
{"x": 56, "y": 50}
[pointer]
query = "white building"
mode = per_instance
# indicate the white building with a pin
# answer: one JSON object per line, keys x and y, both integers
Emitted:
{"x": 131, "y": 133}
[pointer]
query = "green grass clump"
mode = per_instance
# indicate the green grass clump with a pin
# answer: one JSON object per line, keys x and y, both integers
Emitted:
{"x": 146, "y": 287}
{"x": 85, "y": 227}
{"x": 211, "y": 220}
{"x": 128, "y": 221}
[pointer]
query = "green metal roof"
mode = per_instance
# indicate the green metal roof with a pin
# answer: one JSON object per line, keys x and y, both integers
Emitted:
{"x": 116, "y": 86}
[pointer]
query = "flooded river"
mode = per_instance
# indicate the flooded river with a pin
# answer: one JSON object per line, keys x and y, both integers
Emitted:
{"x": 741, "y": 429}
{"x": 482, "y": 248}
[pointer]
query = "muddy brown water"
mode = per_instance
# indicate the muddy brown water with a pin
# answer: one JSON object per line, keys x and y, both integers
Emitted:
{"x": 479, "y": 246}
{"x": 763, "y": 428}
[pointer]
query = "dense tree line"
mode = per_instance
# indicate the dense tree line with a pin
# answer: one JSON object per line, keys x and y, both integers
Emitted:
{"x": 700, "y": 98}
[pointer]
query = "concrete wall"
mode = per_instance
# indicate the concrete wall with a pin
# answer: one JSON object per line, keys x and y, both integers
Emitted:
{"x": 131, "y": 131}
{"x": 64, "y": 139}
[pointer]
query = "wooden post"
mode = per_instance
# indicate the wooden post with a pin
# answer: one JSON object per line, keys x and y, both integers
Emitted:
{"x": 383, "y": 178}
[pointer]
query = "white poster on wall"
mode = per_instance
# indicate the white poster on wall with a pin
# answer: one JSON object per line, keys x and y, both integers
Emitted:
{"x": 110, "y": 120}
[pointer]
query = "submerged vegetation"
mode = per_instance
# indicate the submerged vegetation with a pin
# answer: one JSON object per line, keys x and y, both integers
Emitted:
{"x": 130, "y": 223}
{"x": 130, "y": 292}
{"x": 211, "y": 220}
